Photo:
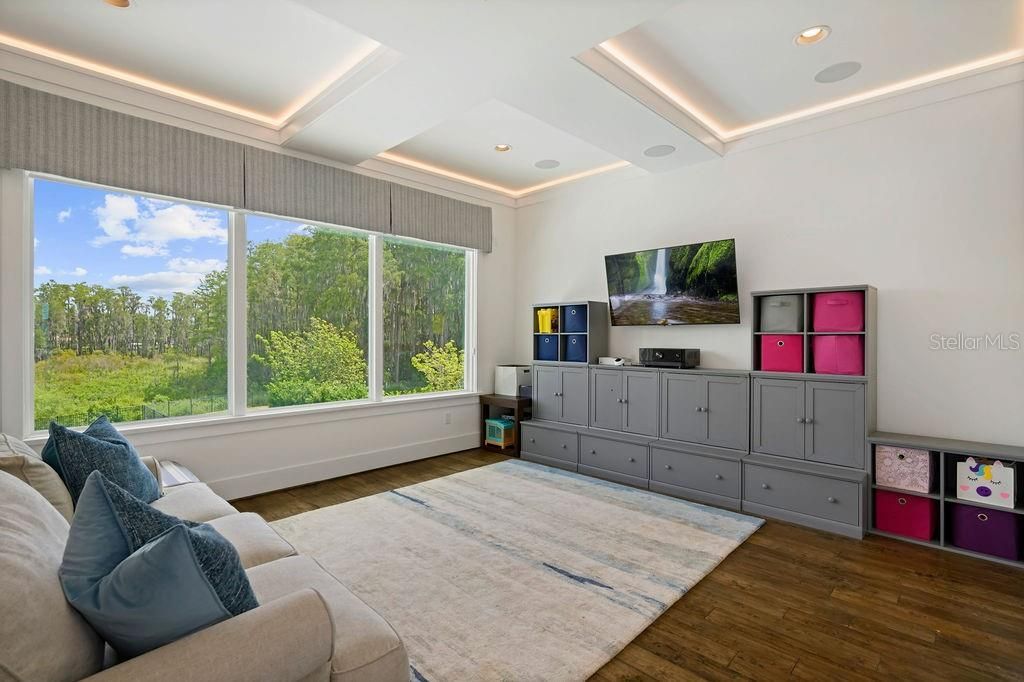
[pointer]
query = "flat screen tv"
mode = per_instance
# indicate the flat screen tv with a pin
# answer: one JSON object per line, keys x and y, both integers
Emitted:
{"x": 690, "y": 284}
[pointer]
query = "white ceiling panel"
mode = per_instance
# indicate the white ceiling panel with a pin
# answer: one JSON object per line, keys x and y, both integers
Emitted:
{"x": 465, "y": 144}
{"x": 736, "y": 61}
{"x": 265, "y": 56}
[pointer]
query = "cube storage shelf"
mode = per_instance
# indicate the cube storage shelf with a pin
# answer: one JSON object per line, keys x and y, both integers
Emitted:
{"x": 578, "y": 334}
{"x": 945, "y": 454}
{"x": 789, "y": 314}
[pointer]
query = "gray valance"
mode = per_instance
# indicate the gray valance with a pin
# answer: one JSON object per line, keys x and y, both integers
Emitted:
{"x": 50, "y": 134}
{"x": 423, "y": 215}
{"x": 296, "y": 188}
{"x": 47, "y": 133}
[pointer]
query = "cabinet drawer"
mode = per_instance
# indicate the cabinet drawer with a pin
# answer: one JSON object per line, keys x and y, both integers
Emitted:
{"x": 826, "y": 498}
{"x": 550, "y": 442}
{"x": 707, "y": 474}
{"x": 614, "y": 455}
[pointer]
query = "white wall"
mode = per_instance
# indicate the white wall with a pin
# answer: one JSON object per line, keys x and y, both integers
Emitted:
{"x": 927, "y": 205}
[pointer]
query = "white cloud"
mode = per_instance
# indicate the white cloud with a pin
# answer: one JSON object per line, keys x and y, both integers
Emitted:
{"x": 43, "y": 270}
{"x": 160, "y": 283}
{"x": 155, "y": 222}
{"x": 77, "y": 272}
{"x": 195, "y": 265}
{"x": 63, "y": 215}
{"x": 143, "y": 251}
{"x": 113, "y": 216}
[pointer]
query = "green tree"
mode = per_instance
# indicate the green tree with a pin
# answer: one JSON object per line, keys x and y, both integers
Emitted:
{"x": 441, "y": 366}
{"x": 319, "y": 364}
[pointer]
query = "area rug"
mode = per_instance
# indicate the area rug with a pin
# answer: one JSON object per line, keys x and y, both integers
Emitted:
{"x": 517, "y": 571}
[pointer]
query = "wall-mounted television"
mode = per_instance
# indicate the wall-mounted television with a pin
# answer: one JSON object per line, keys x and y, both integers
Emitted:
{"x": 689, "y": 284}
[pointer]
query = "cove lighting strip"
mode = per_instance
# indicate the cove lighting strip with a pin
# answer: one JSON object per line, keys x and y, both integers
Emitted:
{"x": 276, "y": 122}
{"x": 507, "y": 191}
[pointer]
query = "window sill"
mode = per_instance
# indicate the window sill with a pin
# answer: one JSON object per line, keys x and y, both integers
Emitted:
{"x": 192, "y": 428}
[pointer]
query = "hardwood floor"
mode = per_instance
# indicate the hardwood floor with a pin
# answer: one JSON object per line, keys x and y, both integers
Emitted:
{"x": 790, "y": 603}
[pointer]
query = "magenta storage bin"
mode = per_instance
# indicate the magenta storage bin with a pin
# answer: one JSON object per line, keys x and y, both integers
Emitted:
{"x": 907, "y": 515}
{"x": 904, "y": 468}
{"x": 838, "y": 354}
{"x": 988, "y": 531}
{"x": 839, "y": 311}
{"x": 782, "y": 353}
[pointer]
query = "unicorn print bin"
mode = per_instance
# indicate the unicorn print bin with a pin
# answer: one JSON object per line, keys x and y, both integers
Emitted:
{"x": 986, "y": 481}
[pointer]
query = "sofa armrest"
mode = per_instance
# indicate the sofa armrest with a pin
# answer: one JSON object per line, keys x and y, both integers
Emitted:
{"x": 154, "y": 467}
{"x": 286, "y": 639}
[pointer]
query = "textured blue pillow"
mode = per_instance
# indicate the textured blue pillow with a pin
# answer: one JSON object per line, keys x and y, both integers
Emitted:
{"x": 100, "y": 447}
{"x": 142, "y": 578}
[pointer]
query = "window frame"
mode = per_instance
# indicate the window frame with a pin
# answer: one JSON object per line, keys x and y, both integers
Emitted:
{"x": 17, "y": 301}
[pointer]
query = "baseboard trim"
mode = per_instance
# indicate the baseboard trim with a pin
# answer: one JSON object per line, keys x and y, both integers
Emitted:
{"x": 259, "y": 482}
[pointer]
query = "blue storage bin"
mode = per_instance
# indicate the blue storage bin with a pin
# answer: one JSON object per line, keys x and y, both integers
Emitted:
{"x": 574, "y": 318}
{"x": 545, "y": 347}
{"x": 576, "y": 348}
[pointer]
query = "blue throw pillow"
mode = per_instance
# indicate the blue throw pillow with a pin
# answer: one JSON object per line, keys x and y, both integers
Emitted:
{"x": 142, "y": 578}
{"x": 100, "y": 447}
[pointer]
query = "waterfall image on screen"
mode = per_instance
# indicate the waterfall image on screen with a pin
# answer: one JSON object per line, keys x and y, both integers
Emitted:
{"x": 691, "y": 284}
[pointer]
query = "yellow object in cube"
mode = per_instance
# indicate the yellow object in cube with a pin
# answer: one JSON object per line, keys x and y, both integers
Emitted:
{"x": 544, "y": 320}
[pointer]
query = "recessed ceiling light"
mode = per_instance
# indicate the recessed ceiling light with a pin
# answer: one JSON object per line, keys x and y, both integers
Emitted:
{"x": 837, "y": 72}
{"x": 502, "y": 147}
{"x": 119, "y": 3}
{"x": 547, "y": 164}
{"x": 812, "y": 35}
{"x": 659, "y": 150}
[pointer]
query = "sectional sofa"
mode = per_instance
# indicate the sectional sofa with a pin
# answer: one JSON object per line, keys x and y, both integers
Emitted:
{"x": 308, "y": 626}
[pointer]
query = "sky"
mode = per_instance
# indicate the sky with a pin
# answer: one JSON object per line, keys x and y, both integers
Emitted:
{"x": 156, "y": 247}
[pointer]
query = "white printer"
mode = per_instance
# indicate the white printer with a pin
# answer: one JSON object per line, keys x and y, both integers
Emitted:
{"x": 508, "y": 380}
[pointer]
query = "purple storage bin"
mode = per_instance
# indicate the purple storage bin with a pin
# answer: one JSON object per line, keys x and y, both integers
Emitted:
{"x": 839, "y": 311}
{"x": 988, "y": 531}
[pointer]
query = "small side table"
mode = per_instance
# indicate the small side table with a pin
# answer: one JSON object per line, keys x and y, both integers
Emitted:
{"x": 521, "y": 407}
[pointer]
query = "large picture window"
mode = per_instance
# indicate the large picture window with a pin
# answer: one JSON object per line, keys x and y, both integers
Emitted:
{"x": 130, "y": 306}
{"x": 424, "y": 317}
{"x": 133, "y": 303}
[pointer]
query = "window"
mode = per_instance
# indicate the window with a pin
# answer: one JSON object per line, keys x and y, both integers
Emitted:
{"x": 130, "y": 306}
{"x": 133, "y": 300}
{"x": 308, "y": 315}
{"x": 424, "y": 317}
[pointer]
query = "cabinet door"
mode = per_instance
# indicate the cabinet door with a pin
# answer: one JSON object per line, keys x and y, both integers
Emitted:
{"x": 640, "y": 396}
{"x": 606, "y": 399}
{"x": 778, "y": 426}
{"x": 547, "y": 385}
{"x": 575, "y": 395}
{"x": 835, "y": 423}
{"x": 681, "y": 396}
{"x": 728, "y": 411}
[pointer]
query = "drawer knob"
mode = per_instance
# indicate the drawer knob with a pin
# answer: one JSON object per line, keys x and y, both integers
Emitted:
{"x": 593, "y": 452}
{"x": 831, "y": 499}
{"x": 533, "y": 440}
{"x": 623, "y": 401}
{"x": 632, "y": 459}
{"x": 800, "y": 420}
{"x": 697, "y": 409}
{"x": 808, "y": 421}
{"x": 564, "y": 446}
{"x": 718, "y": 477}
{"x": 668, "y": 466}
{"x": 764, "y": 486}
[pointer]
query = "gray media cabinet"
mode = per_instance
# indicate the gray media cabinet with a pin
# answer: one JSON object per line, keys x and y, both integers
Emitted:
{"x": 792, "y": 446}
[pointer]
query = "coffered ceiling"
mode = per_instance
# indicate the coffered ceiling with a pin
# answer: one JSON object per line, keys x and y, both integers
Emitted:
{"x": 425, "y": 89}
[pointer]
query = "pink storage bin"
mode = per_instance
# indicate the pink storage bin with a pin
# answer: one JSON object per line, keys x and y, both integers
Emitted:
{"x": 782, "y": 353}
{"x": 904, "y": 468}
{"x": 839, "y": 311}
{"x": 841, "y": 354}
{"x": 907, "y": 515}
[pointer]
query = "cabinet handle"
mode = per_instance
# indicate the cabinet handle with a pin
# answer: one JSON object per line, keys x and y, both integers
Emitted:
{"x": 668, "y": 466}
{"x": 831, "y": 499}
{"x": 533, "y": 440}
{"x": 697, "y": 409}
{"x": 564, "y": 446}
{"x": 808, "y": 421}
{"x": 623, "y": 401}
{"x": 618, "y": 400}
{"x": 632, "y": 459}
{"x": 593, "y": 452}
{"x": 718, "y": 477}
{"x": 800, "y": 420}
{"x": 764, "y": 486}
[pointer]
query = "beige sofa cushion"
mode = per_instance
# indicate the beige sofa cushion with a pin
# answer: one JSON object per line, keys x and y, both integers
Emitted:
{"x": 24, "y": 463}
{"x": 41, "y": 636}
{"x": 193, "y": 502}
{"x": 256, "y": 542}
{"x": 366, "y": 647}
